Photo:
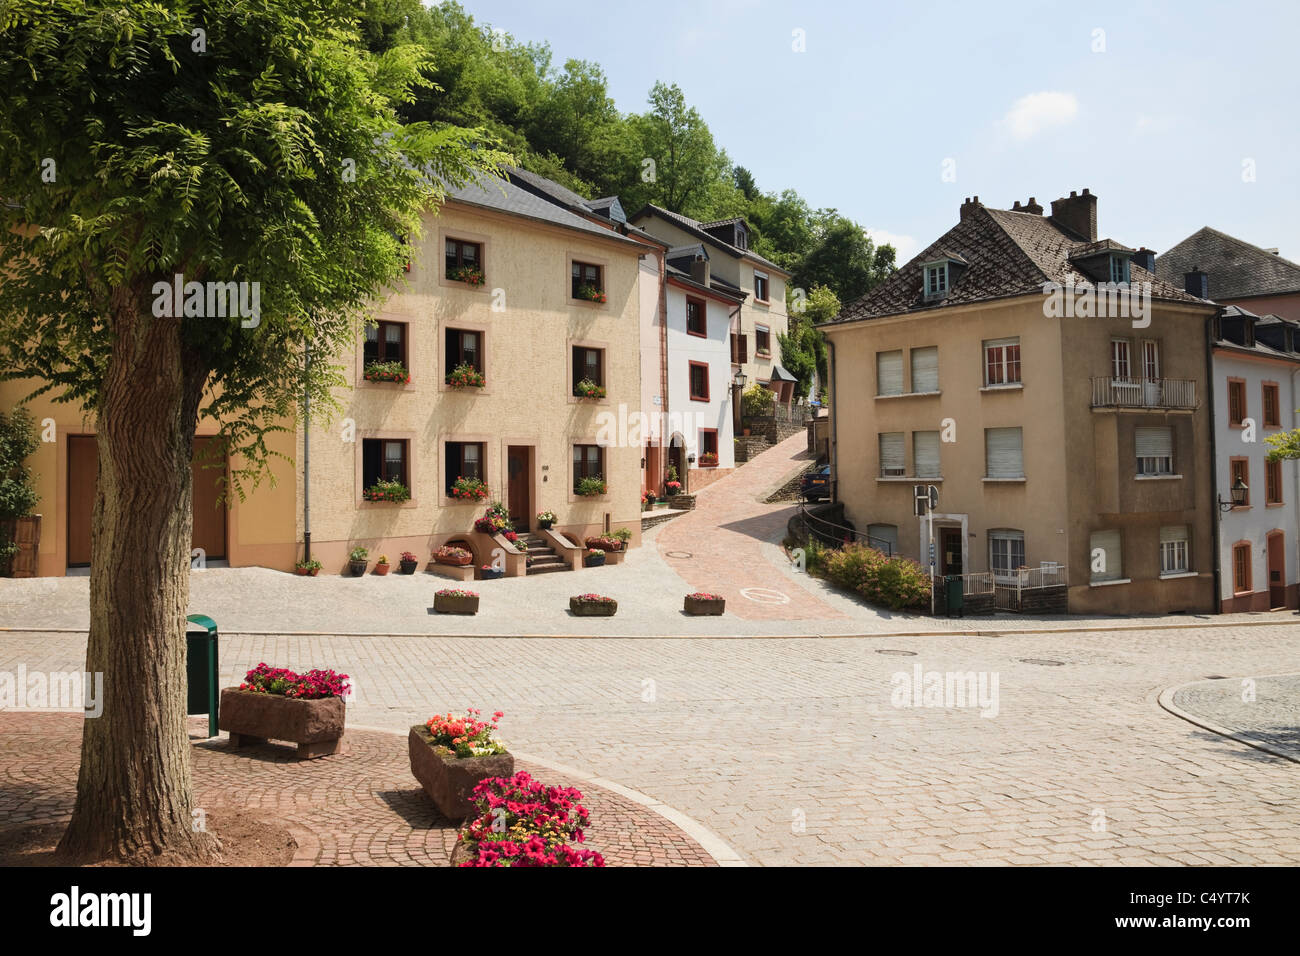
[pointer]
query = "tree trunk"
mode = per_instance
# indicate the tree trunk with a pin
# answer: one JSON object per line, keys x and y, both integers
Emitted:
{"x": 134, "y": 797}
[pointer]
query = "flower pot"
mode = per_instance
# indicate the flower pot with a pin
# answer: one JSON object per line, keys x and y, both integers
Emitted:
{"x": 314, "y": 572}
{"x": 703, "y": 607}
{"x": 452, "y": 604}
{"x": 316, "y": 726}
{"x": 382, "y": 568}
{"x": 455, "y": 562}
{"x": 545, "y": 525}
{"x": 450, "y": 780}
{"x": 302, "y": 571}
{"x": 407, "y": 567}
{"x": 594, "y": 560}
{"x": 491, "y": 574}
{"x": 357, "y": 568}
{"x": 592, "y": 608}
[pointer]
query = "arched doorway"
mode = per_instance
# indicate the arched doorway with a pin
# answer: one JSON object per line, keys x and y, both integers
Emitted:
{"x": 677, "y": 459}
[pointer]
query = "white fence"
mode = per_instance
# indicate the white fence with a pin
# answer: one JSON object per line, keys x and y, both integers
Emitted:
{"x": 1143, "y": 393}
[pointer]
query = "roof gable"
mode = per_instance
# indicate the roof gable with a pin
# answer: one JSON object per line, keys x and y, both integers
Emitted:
{"x": 1236, "y": 269}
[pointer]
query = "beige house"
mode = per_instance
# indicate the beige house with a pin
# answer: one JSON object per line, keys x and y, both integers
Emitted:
{"x": 1052, "y": 390}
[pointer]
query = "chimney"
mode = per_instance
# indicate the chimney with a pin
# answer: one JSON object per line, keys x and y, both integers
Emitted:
{"x": 700, "y": 270}
{"x": 1078, "y": 214}
{"x": 1197, "y": 283}
{"x": 1033, "y": 207}
{"x": 1146, "y": 258}
{"x": 969, "y": 206}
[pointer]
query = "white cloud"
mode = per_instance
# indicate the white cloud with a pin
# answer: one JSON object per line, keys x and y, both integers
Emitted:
{"x": 1036, "y": 112}
{"x": 905, "y": 246}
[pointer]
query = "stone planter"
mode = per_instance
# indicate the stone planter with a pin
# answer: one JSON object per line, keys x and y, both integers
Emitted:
{"x": 594, "y": 560}
{"x": 592, "y": 608}
{"x": 704, "y": 608}
{"x": 316, "y": 726}
{"x": 357, "y": 568}
{"x": 455, "y": 562}
{"x": 450, "y": 604}
{"x": 407, "y": 567}
{"x": 382, "y": 569}
{"x": 608, "y": 545}
{"x": 449, "y": 780}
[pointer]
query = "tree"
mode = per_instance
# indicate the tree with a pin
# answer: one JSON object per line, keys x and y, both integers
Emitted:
{"x": 18, "y": 441}
{"x": 686, "y": 159}
{"x": 803, "y": 349}
{"x": 252, "y": 142}
{"x": 843, "y": 258}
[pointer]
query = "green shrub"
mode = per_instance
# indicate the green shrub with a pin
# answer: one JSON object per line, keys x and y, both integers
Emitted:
{"x": 898, "y": 583}
{"x": 757, "y": 400}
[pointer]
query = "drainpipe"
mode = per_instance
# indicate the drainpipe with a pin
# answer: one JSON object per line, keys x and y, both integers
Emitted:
{"x": 832, "y": 453}
{"x": 736, "y": 395}
{"x": 662, "y": 260}
{"x": 306, "y": 457}
{"x": 1214, "y": 466}
{"x": 1294, "y": 373}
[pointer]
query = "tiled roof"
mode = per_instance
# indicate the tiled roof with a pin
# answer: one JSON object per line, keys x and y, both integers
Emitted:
{"x": 697, "y": 229}
{"x": 504, "y": 196}
{"x": 1008, "y": 253}
{"x": 1235, "y": 268}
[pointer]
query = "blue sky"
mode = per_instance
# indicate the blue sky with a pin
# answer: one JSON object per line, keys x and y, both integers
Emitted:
{"x": 1166, "y": 115}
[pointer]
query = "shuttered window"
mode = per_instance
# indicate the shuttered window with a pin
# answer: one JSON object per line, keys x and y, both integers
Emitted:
{"x": 1173, "y": 549}
{"x": 1004, "y": 454}
{"x": 925, "y": 454}
{"x": 892, "y": 459}
{"x": 1006, "y": 552}
{"x": 878, "y": 535}
{"x": 1104, "y": 556}
{"x": 1241, "y": 579}
{"x": 889, "y": 373}
{"x": 925, "y": 369}
{"x": 1155, "y": 450}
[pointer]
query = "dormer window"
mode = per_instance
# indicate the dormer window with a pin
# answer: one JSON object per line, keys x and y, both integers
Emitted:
{"x": 1119, "y": 273}
{"x": 936, "y": 280}
{"x": 742, "y": 240}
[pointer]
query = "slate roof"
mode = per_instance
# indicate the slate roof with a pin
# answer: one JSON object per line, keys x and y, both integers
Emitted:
{"x": 1008, "y": 253}
{"x": 714, "y": 288}
{"x": 696, "y": 229}
{"x": 503, "y": 195}
{"x": 1236, "y": 269}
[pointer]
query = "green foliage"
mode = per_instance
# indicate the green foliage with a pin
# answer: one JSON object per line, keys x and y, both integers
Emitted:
{"x": 18, "y": 441}
{"x": 803, "y": 350}
{"x": 896, "y": 582}
{"x": 756, "y": 400}
{"x": 590, "y": 487}
{"x": 359, "y": 554}
{"x": 1284, "y": 445}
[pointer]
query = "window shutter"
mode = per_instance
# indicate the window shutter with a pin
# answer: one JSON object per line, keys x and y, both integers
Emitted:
{"x": 884, "y": 532}
{"x": 925, "y": 369}
{"x": 1004, "y": 451}
{"x": 743, "y": 341}
{"x": 1108, "y": 542}
{"x": 1154, "y": 442}
{"x": 1171, "y": 533}
{"x": 892, "y": 459}
{"x": 925, "y": 452}
{"x": 889, "y": 373}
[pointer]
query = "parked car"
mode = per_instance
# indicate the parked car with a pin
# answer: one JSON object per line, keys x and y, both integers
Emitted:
{"x": 816, "y": 484}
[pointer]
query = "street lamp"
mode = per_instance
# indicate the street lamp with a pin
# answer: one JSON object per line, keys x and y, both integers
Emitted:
{"x": 1239, "y": 491}
{"x": 740, "y": 379}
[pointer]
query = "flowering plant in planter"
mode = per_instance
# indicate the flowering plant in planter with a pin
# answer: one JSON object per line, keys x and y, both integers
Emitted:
{"x": 466, "y": 376}
{"x": 450, "y": 554}
{"x": 702, "y": 603}
{"x": 593, "y": 605}
{"x": 469, "y": 275}
{"x": 589, "y": 389}
{"x": 590, "y": 487}
{"x": 311, "y": 567}
{"x": 387, "y": 372}
{"x": 282, "y": 682}
{"x": 673, "y": 487}
{"x": 590, "y": 293}
{"x": 521, "y": 822}
{"x": 407, "y": 563}
{"x": 604, "y": 543}
{"x": 466, "y": 736}
{"x": 469, "y": 489}
{"x": 492, "y": 523}
{"x": 385, "y": 490}
{"x": 382, "y": 565}
{"x": 648, "y": 497}
{"x": 546, "y": 518}
{"x": 490, "y": 573}
{"x": 709, "y": 459}
{"x": 455, "y": 601}
{"x": 357, "y": 559}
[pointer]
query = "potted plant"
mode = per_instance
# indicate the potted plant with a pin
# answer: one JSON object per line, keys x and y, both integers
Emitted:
{"x": 546, "y": 520}
{"x": 469, "y": 489}
{"x": 594, "y": 558}
{"x": 311, "y": 567}
{"x": 385, "y": 490}
{"x": 455, "y": 601}
{"x": 588, "y": 389}
{"x": 604, "y": 543}
{"x": 466, "y": 376}
{"x": 490, "y": 573}
{"x": 407, "y": 563}
{"x": 590, "y": 293}
{"x": 593, "y": 605}
{"x": 709, "y": 459}
{"x": 647, "y": 500}
{"x": 382, "y": 566}
{"x": 450, "y": 554}
{"x": 357, "y": 560}
{"x": 518, "y": 821}
{"x": 672, "y": 487}
{"x": 469, "y": 275}
{"x": 702, "y": 603}
{"x": 590, "y": 487}
{"x": 274, "y": 703}
{"x": 451, "y": 755}
{"x": 622, "y": 536}
{"x": 387, "y": 372}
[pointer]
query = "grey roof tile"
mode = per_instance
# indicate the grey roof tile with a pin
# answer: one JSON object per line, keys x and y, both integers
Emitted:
{"x": 1236, "y": 268}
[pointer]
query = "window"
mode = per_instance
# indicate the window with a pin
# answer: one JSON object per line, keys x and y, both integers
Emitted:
{"x": 760, "y": 286}
{"x": 696, "y": 318}
{"x": 586, "y": 279}
{"x": 708, "y": 446}
{"x": 1241, "y": 578}
{"x": 588, "y": 462}
{"x": 589, "y": 365}
{"x": 1273, "y": 482}
{"x": 893, "y": 462}
{"x": 385, "y": 342}
{"x": 1002, "y": 362}
{"x": 1155, "y": 450}
{"x": 925, "y": 369}
{"x": 464, "y": 460}
{"x": 882, "y": 534}
{"x": 1272, "y": 406}
{"x": 1240, "y": 468}
{"x": 925, "y": 454}
{"x": 762, "y": 340}
{"x": 463, "y": 258}
{"x": 742, "y": 239}
{"x": 739, "y": 348}
{"x": 1006, "y": 552}
{"x": 1150, "y": 360}
{"x": 1004, "y": 453}
{"x": 699, "y": 373}
{"x": 1105, "y": 557}
{"x": 464, "y": 348}
{"x": 1120, "y": 368}
{"x": 1173, "y": 549}
{"x": 936, "y": 280}
{"x": 889, "y": 373}
{"x": 383, "y": 459}
{"x": 1119, "y": 269}
{"x": 1236, "y": 401}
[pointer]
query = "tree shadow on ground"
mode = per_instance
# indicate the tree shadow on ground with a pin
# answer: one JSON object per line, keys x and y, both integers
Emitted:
{"x": 414, "y": 806}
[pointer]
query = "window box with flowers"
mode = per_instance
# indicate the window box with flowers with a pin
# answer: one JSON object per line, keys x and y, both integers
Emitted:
{"x": 457, "y": 557}
{"x": 588, "y": 389}
{"x": 703, "y": 604}
{"x": 469, "y": 489}
{"x": 590, "y": 293}
{"x": 591, "y": 487}
{"x": 455, "y": 601}
{"x": 385, "y": 490}
{"x": 274, "y": 703}
{"x": 604, "y": 543}
{"x": 387, "y": 372}
{"x": 709, "y": 459}
{"x": 593, "y": 605}
{"x": 469, "y": 275}
{"x": 408, "y": 562}
{"x": 466, "y": 376}
{"x": 451, "y": 755}
{"x": 518, "y": 821}
{"x": 311, "y": 567}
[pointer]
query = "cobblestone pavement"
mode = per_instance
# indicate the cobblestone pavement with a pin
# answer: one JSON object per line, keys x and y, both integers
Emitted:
{"x": 792, "y": 751}
{"x": 361, "y": 808}
{"x": 1265, "y": 710}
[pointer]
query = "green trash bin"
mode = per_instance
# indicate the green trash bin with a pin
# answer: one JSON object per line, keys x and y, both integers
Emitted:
{"x": 201, "y": 675}
{"x": 954, "y": 594}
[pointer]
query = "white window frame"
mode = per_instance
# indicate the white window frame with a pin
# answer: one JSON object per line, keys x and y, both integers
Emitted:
{"x": 1150, "y": 466}
{"x": 936, "y": 279}
{"x": 893, "y": 471}
{"x": 1175, "y": 552}
{"x": 1002, "y": 545}
{"x": 1119, "y": 273}
{"x": 1003, "y": 363}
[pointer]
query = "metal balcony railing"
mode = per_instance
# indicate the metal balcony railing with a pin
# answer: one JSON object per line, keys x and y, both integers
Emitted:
{"x": 1110, "y": 392}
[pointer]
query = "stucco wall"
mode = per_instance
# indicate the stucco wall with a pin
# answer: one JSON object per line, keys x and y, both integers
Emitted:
{"x": 714, "y": 349}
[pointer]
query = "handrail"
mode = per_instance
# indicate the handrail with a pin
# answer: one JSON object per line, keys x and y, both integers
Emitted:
{"x": 871, "y": 540}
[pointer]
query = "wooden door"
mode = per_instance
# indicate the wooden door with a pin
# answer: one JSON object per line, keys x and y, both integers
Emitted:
{"x": 209, "y": 511}
{"x": 83, "y": 463}
{"x": 950, "y": 551}
{"x": 1276, "y": 570}
{"x": 518, "y": 486}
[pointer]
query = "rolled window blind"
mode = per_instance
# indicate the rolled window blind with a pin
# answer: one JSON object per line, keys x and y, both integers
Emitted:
{"x": 1005, "y": 455}
{"x": 1155, "y": 442}
{"x": 925, "y": 451}
{"x": 1112, "y": 566}
{"x": 889, "y": 373}
{"x": 892, "y": 461}
{"x": 925, "y": 369}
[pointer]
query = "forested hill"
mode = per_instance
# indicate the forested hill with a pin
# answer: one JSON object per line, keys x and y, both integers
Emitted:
{"x": 560, "y": 122}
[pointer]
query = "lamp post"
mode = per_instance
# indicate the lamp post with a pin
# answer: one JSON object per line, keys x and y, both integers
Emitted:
{"x": 1239, "y": 491}
{"x": 738, "y": 389}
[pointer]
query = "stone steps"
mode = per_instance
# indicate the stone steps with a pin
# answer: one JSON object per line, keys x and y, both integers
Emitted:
{"x": 542, "y": 558}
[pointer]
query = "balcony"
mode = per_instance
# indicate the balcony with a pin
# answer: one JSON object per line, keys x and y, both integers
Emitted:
{"x": 1108, "y": 392}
